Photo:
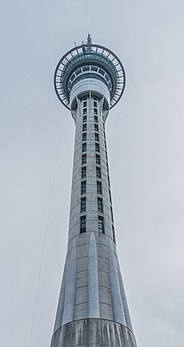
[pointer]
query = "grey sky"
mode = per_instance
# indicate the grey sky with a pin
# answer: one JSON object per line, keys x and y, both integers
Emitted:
{"x": 146, "y": 154}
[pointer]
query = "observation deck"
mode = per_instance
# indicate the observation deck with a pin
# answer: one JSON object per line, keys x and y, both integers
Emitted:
{"x": 90, "y": 62}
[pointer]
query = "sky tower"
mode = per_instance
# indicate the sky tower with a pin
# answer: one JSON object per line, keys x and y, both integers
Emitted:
{"x": 92, "y": 309}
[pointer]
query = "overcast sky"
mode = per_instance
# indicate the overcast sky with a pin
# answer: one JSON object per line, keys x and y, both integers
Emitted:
{"x": 146, "y": 156}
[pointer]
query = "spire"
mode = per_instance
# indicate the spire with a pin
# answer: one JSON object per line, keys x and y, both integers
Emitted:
{"x": 89, "y": 40}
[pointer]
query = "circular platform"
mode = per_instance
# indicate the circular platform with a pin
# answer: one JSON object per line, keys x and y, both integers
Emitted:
{"x": 89, "y": 61}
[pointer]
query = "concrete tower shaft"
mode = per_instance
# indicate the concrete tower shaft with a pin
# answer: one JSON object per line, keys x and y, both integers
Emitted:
{"x": 92, "y": 308}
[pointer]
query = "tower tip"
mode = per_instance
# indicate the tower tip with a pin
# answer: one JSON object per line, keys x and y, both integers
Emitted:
{"x": 89, "y": 39}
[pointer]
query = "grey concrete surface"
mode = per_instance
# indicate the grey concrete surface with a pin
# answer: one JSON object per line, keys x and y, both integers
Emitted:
{"x": 93, "y": 333}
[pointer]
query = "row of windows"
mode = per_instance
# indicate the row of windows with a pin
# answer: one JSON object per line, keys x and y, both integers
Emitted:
{"x": 84, "y": 126}
{"x": 95, "y": 110}
{"x": 98, "y": 172}
{"x": 84, "y": 137}
{"x": 83, "y": 224}
{"x": 98, "y": 185}
{"x": 85, "y": 119}
{"x": 97, "y": 159}
{"x": 84, "y": 146}
{"x": 83, "y": 203}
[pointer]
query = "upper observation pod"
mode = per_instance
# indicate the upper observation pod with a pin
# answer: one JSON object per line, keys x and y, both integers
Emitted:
{"x": 89, "y": 68}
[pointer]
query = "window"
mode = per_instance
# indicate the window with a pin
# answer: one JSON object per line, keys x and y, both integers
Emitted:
{"x": 86, "y": 68}
{"x": 83, "y": 172}
{"x": 105, "y": 145}
{"x": 96, "y": 119}
{"x": 95, "y": 103}
{"x": 98, "y": 159}
{"x": 83, "y": 204}
{"x": 107, "y": 166}
{"x": 99, "y": 187}
{"x": 78, "y": 71}
{"x": 84, "y": 110}
{"x": 110, "y": 196}
{"x": 113, "y": 234}
{"x": 94, "y": 68}
{"x": 102, "y": 72}
{"x": 83, "y": 187}
{"x": 84, "y": 103}
{"x": 82, "y": 224}
{"x": 97, "y": 147}
{"x": 108, "y": 180}
{"x": 96, "y": 127}
{"x": 84, "y": 127}
{"x": 98, "y": 172}
{"x": 100, "y": 204}
{"x": 95, "y": 110}
{"x": 84, "y": 147}
{"x": 84, "y": 137}
{"x": 96, "y": 137}
{"x": 84, "y": 119}
{"x": 83, "y": 159}
{"x": 106, "y": 155}
{"x": 112, "y": 215}
{"x": 101, "y": 224}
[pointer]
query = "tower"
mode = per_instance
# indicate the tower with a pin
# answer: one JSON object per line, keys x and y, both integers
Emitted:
{"x": 92, "y": 309}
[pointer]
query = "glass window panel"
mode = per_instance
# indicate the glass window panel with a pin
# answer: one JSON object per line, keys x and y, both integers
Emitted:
{"x": 83, "y": 172}
{"x": 113, "y": 233}
{"x": 100, "y": 204}
{"x": 84, "y": 147}
{"x": 83, "y": 159}
{"x": 101, "y": 224}
{"x": 98, "y": 172}
{"x": 84, "y": 137}
{"x": 97, "y": 147}
{"x": 96, "y": 137}
{"x": 83, "y": 187}
{"x": 99, "y": 187}
{"x": 83, "y": 224}
{"x": 96, "y": 127}
{"x": 98, "y": 159}
{"x": 83, "y": 204}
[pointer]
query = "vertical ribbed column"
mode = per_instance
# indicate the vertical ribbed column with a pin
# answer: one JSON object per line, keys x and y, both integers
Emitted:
{"x": 60, "y": 308}
{"x": 69, "y": 302}
{"x": 125, "y": 303}
{"x": 115, "y": 289}
{"x": 93, "y": 289}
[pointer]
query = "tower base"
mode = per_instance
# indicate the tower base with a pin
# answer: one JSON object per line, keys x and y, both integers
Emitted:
{"x": 93, "y": 332}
